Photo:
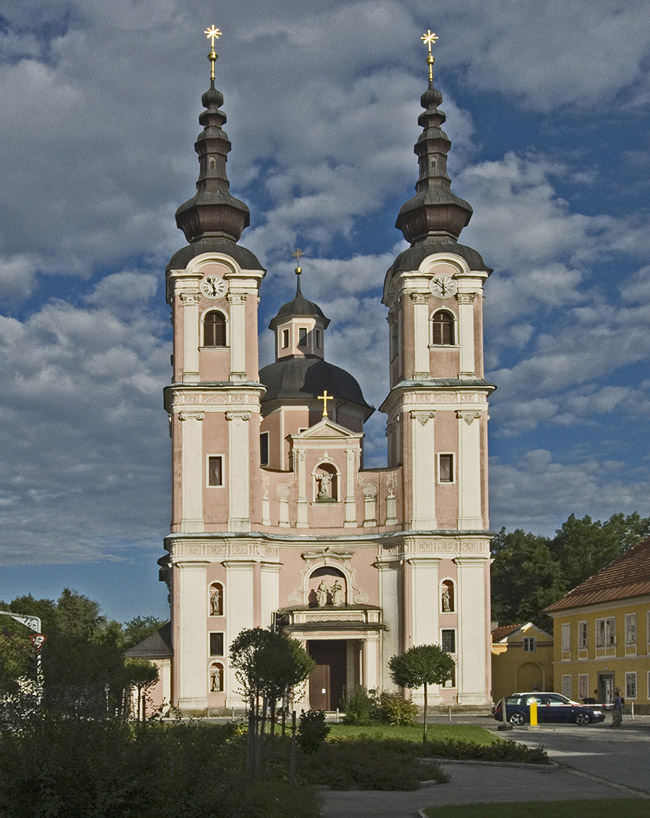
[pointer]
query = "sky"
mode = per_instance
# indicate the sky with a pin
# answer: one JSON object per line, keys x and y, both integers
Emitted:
{"x": 548, "y": 111}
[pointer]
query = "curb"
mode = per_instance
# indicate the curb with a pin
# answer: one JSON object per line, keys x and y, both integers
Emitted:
{"x": 552, "y": 766}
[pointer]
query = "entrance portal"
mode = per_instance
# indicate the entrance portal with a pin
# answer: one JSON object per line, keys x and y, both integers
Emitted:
{"x": 605, "y": 688}
{"x": 327, "y": 680}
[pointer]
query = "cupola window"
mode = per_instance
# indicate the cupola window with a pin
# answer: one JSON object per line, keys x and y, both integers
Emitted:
{"x": 302, "y": 336}
{"x": 214, "y": 329}
{"x": 443, "y": 328}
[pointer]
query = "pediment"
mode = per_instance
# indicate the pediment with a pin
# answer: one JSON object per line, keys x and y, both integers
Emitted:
{"x": 326, "y": 429}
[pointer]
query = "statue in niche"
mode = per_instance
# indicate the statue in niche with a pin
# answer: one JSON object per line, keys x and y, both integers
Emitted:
{"x": 216, "y": 680}
{"x": 321, "y": 594}
{"x": 324, "y": 485}
{"x": 446, "y": 599}
{"x": 337, "y": 594}
{"x": 215, "y": 602}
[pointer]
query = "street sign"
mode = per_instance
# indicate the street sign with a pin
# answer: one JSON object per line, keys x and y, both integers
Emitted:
{"x": 37, "y": 640}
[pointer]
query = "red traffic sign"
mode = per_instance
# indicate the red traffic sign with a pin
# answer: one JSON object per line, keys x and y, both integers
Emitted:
{"x": 37, "y": 640}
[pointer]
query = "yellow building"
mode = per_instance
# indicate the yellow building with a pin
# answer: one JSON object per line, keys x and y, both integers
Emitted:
{"x": 522, "y": 660}
{"x": 602, "y": 633}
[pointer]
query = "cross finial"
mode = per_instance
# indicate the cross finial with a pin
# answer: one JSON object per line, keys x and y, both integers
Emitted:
{"x": 297, "y": 255}
{"x": 429, "y": 39}
{"x": 325, "y": 397}
{"x": 212, "y": 34}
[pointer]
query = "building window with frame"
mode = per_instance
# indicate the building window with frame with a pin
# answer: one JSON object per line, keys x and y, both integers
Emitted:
{"x": 583, "y": 686}
{"x": 215, "y": 470}
{"x": 442, "y": 328}
{"x": 216, "y": 643}
{"x": 630, "y": 685}
{"x": 302, "y": 336}
{"x": 448, "y": 640}
{"x": 394, "y": 338}
{"x": 446, "y": 468}
{"x": 318, "y": 338}
{"x": 530, "y": 644}
{"x": 606, "y": 632}
{"x": 566, "y": 636}
{"x": 285, "y": 339}
{"x": 566, "y": 686}
{"x": 630, "y": 629}
{"x": 583, "y": 635}
{"x": 264, "y": 449}
{"x": 214, "y": 329}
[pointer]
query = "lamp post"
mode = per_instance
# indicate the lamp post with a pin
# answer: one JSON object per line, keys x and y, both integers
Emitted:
{"x": 37, "y": 639}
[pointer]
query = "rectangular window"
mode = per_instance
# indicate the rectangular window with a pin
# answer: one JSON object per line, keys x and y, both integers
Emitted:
{"x": 445, "y": 468}
{"x": 394, "y": 339}
{"x": 216, "y": 644}
{"x": 215, "y": 470}
{"x": 566, "y": 686}
{"x": 317, "y": 333}
{"x": 583, "y": 686}
{"x": 630, "y": 629}
{"x": 583, "y": 635}
{"x": 630, "y": 685}
{"x": 606, "y": 632}
{"x": 448, "y": 638}
{"x": 530, "y": 644}
{"x": 264, "y": 449}
{"x": 285, "y": 338}
{"x": 302, "y": 336}
{"x": 566, "y": 636}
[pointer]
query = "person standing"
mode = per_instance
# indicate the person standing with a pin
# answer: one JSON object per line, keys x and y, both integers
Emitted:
{"x": 617, "y": 708}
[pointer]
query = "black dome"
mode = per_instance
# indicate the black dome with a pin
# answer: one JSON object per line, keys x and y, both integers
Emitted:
{"x": 298, "y": 306}
{"x": 305, "y": 377}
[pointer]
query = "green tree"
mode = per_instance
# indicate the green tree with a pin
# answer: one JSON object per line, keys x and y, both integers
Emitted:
{"x": 421, "y": 666}
{"x": 525, "y": 578}
{"x": 141, "y": 675}
{"x": 138, "y": 628}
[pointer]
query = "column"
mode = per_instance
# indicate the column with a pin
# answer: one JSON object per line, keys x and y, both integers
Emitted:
{"x": 192, "y": 650}
{"x": 237, "y": 303}
{"x": 240, "y": 589}
{"x": 190, "y": 337}
{"x": 191, "y": 471}
{"x": 269, "y": 591}
{"x": 472, "y": 646}
{"x": 301, "y": 500}
{"x": 421, "y": 364}
{"x": 423, "y": 502}
{"x": 371, "y": 662}
{"x": 467, "y": 340}
{"x": 238, "y": 470}
{"x": 469, "y": 470}
{"x": 389, "y": 603}
{"x": 350, "y": 502}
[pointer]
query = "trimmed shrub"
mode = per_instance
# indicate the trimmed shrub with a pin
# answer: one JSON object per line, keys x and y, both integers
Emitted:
{"x": 312, "y": 730}
{"x": 499, "y": 751}
{"x": 395, "y": 709}
{"x": 360, "y": 708}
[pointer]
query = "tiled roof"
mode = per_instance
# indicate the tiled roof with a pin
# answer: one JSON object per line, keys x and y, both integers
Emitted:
{"x": 156, "y": 646}
{"x": 627, "y": 576}
{"x": 505, "y": 630}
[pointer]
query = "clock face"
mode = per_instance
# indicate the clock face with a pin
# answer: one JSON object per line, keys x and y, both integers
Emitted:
{"x": 214, "y": 287}
{"x": 444, "y": 286}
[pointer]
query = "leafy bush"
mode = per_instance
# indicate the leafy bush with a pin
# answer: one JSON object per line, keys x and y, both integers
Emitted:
{"x": 395, "y": 709}
{"x": 360, "y": 708}
{"x": 312, "y": 730}
{"x": 498, "y": 751}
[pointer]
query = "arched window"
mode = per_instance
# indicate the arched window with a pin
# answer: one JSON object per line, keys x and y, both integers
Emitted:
{"x": 216, "y": 599}
{"x": 214, "y": 329}
{"x": 443, "y": 328}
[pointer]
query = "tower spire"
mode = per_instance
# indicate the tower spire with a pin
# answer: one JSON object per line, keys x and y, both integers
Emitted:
{"x": 213, "y": 212}
{"x": 434, "y": 210}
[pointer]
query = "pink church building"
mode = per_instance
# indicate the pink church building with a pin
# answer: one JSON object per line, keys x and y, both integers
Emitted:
{"x": 275, "y": 519}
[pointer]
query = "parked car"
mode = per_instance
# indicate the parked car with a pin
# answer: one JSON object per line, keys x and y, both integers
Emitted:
{"x": 551, "y": 707}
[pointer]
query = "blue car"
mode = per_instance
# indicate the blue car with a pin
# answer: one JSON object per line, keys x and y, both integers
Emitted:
{"x": 551, "y": 707}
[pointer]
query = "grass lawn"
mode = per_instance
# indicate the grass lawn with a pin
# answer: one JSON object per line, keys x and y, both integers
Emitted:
{"x": 630, "y": 807}
{"x": 435, "y": 732}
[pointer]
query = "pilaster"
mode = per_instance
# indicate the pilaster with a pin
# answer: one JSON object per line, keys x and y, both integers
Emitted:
{"x": 237, "y": 303}
{"x": 191, "y": 470}
{"x": 192, "y": 650}
{"x": 423, "y": 498}
{"x": 469, "y": 470}
{"x": 420, "y": 336}
{"x": 238, "y": 470}
{"x": 190, "y": 301}
{"x": 467, "y": 332}
{"x": 240, "y": 596}
{"x": 472, "y": 673}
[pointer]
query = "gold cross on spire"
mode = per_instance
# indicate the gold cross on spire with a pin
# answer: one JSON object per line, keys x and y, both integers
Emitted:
{"x": 212, "y": 34}
{"x": 324, "y": 397}
{"x": 297, "y": 255}
{"x": 429, "y": 39}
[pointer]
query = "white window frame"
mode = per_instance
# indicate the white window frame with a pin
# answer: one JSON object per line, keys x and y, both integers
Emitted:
{"x": 268, "y": 441}
{"x": 449, "y": 630}
{"x": 208, "y": 484}
{"x": 453, "y": 468}
{"x": 455, "y": 328}
{"x": 631, "y": 684}
{"x": 566, "y": 685}
{"x": 529, "y": 644}
{"x": 606, "y": 628}
{"x": 223, "y": 642}
{"x": 226, "y": 327}
{"x": 583, "y": 635}
{"x": 583, "y": 686}
{"x": 566, "y": 637}
{"x": 630, "y": 629}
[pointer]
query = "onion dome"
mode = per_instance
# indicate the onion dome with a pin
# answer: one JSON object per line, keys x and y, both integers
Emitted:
{"x": 434, "y": 210}
{"x": 298, "y": 307}
{"x": 301, "y": 378}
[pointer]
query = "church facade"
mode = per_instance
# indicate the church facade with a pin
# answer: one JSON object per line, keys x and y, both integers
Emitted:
{"x": 275, "y": 520}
